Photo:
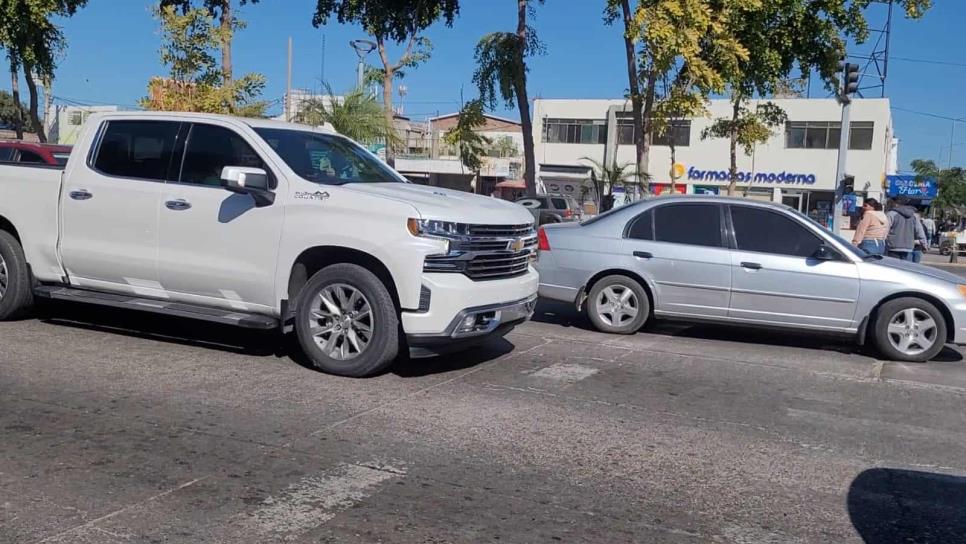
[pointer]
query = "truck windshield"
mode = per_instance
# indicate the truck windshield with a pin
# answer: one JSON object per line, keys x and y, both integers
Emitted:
{"x": 326, "y": 158}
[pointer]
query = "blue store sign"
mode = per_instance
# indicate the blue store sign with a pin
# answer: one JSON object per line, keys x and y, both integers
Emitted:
{"x": 911, "y": 186}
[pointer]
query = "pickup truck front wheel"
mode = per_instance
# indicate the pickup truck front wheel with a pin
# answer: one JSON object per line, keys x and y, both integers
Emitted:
{"x": 346, "y": 322}
{"x": 15, "y": 294}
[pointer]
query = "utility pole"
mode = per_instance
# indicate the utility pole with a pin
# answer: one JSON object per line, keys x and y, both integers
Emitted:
{"x": 362, "y": 48}
{"x": 850, "y": 84}
{"x": 288, "y": 84}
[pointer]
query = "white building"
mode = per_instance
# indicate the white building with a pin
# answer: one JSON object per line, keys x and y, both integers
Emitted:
{"x": 796, "y": 166}
{"x": 70, "y": 120}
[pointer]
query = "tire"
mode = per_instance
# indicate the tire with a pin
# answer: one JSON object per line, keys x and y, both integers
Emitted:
{"x": 630, "y": 316}
{"x": 332, "y": 329}
{"x": 909, "y": 329}
{"x": 16, "y": 295}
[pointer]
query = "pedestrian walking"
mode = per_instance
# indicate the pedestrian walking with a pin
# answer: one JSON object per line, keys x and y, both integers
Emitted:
{"x": 873, "y": 228}
{"x": 904, "y": 231}
{"x": 929, "y": 224}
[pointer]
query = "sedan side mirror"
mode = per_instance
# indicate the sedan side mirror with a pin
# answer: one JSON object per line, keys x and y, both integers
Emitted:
{"x": 248, "y": 181}
{"x": 825, "y": 253}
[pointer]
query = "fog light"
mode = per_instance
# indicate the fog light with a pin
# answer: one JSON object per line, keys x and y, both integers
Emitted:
{"x": 469, "y": 323}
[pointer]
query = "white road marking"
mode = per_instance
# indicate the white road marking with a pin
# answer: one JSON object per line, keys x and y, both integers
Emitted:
{"x": 567, "y": 373}
{"x": 314, "y": 500}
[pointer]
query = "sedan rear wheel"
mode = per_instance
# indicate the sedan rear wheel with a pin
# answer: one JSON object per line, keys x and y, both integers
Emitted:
{"x": 910, "y": 329}
{"x": 618, "y": 304}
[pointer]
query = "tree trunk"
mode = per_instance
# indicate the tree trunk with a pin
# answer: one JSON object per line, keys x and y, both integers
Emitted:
{"x": 733, "y": 145}
{"x": 226, "y": 27}
{"x": 523, "y": 103}
{"x": 15, "y": 90}
{"x": 646, "y": 122}
{"x": 634, "y": 86}
{"x": 34, "y": 106}
{"x": 388, "y": 74}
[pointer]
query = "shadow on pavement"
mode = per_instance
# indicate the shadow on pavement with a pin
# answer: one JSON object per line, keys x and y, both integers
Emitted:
{"x": 565, "y": 315}
{"x": 891, "y": 505}
{"x": 256, "y": 343}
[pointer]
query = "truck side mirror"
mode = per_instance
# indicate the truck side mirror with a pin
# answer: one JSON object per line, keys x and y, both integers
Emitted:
{"x": 248, "y": 181}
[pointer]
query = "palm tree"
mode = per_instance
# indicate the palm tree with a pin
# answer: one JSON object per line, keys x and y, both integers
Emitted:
{"x": 606, "y": 177}
{"x": 356, "y": 115}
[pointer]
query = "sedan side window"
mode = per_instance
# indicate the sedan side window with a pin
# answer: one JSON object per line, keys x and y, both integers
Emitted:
{"x": 642, "y": 227}
{"x": 764, "y": 231}
{"x": 692, "y": 224}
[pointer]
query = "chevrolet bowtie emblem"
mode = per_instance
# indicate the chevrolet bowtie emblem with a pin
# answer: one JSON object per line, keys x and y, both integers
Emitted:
{"x": 517, "y": 245}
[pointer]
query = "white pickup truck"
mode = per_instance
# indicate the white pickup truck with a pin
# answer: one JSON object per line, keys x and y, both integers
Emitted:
{"x": 265, "y": 224}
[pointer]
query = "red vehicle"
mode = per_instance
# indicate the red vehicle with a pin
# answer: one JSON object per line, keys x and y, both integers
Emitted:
{"x": 33, "y": 153}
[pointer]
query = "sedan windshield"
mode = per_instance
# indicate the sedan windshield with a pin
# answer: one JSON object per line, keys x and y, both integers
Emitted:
{"x": 327, "y": 158}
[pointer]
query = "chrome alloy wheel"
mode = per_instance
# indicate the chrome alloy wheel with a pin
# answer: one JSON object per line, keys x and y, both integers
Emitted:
{"x": 341, "y": 321}
{"x": 912, "y": 331}
{"x": 617, "y": 305}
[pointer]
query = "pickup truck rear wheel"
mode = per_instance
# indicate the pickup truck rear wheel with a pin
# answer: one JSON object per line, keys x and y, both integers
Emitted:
{"x": 15, "y": 294}
{"x": 346, "y": 322}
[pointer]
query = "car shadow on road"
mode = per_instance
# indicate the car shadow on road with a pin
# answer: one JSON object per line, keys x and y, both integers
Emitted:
{"x": 565, "y": 315}
{"x": 175, "y": 330}
{"x": 892, "y": 505}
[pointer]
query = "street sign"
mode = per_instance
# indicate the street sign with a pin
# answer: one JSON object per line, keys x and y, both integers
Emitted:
{"x": 911, "y": 186}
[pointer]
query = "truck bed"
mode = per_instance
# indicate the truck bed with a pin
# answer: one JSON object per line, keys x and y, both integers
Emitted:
{"x": 29, "y": 197}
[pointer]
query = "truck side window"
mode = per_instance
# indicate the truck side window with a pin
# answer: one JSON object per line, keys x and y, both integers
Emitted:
{"x": 137, "y": 149}
{"x": 30, "y": 157}
{"x": 211, "y": 148}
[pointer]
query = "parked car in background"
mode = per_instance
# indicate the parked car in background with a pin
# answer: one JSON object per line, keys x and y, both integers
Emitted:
{"x": 265, "y": 225}
{"x": 552, "y": 208}
{"x": 743, "y": 262}
{"x": 33, "y": 153}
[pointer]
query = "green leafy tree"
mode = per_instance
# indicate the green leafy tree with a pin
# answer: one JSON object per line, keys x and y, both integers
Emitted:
{"x": 196, "y": 83}
{"x": 502, "y": 72}
{"x": 470, "y": 144}
{"x": 33, "y": 42}
{"x": 777, "y": 37}
{"x": 952, "y": 185}
{"x": 399, "y": 21}
{"x": 746, "y": 128}
{"x": 11, "y": 112}
{"x": 355, "y": 114}
{"x": 504, "y": 146}
{"x": 228, "y": 24}
{"x": 605, "y": 177}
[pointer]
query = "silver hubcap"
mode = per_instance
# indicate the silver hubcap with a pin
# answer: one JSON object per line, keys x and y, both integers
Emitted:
{"x": 617, "y": 305}
{"x": 3, "y": 277}
{"x": 912, "y": 331}
{"x": 341, "y": 321}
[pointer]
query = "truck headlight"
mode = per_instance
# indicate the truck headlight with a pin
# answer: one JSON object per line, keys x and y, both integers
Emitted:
{"x": 443, "y": 231}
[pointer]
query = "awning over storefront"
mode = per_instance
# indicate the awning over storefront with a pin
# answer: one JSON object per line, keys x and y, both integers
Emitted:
{"x": 512, "y": 184}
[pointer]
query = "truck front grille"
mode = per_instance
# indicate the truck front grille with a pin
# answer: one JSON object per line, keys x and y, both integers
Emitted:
{"x": 488, "y": 252}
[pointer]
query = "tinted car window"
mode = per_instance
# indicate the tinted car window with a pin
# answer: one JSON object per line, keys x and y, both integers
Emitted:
{"x": 765, "y": 231}
{"x": 326, "y": 158}
{"x": 559, "y": 203}
{"x": 137, "y": 149}
{"x": 642, "y": 227}
{"x": 30, "y": 157}
{"x": 6, "y": 153}
{"x": 211, "y": 148}
{"x": 693, "y": 224}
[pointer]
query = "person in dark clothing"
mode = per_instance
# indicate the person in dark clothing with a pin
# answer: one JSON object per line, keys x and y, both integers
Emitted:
{"x": 905, "y": 230}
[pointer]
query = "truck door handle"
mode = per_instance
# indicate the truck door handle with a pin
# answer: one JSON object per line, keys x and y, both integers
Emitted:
{"x": 643, "y": 254}
{"x": 751, "y": 266}
{"x": 81, "y": 194}
{"x": 178, "y": 205}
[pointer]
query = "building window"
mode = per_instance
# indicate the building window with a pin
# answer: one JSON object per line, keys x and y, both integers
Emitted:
{"x": 575, "y": 131}
{"x": 76, "y": 118}
{"x": 826, "y": 134}
{"x": 678, "y": 132}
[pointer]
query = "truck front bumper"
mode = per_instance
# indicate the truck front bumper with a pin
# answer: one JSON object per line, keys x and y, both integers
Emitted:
{"x": 464, "y": 312}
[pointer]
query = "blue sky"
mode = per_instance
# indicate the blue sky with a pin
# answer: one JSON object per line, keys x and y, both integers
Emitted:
{"x": 113, "y": 45}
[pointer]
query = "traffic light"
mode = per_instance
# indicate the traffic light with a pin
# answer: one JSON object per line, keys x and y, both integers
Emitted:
{"x": 850, "y": 78}
{"x": 848, "y": 184}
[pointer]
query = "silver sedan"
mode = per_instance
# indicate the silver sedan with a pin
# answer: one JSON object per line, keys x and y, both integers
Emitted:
{"x": 743, "y": 262}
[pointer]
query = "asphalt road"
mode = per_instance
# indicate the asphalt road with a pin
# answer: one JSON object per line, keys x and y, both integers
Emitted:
{"x": 119, "y": 427}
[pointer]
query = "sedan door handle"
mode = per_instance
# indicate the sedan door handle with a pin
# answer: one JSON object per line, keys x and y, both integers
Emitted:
{"x": 178, "y": 205}
{"x": 643, "y": 254}
{"x": 751, "y": 266}
{"x": 81, "y": 194}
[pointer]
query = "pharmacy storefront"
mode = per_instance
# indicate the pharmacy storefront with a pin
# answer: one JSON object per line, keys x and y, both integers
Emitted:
{"x": 796, "y": 166}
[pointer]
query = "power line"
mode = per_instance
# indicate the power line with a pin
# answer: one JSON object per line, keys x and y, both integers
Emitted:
{"x": 926, "y": 114}
{"x": 929, "y": 61}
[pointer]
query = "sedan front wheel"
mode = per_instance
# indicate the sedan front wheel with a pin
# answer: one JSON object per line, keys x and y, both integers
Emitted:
{"x": 909, "y": 329}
